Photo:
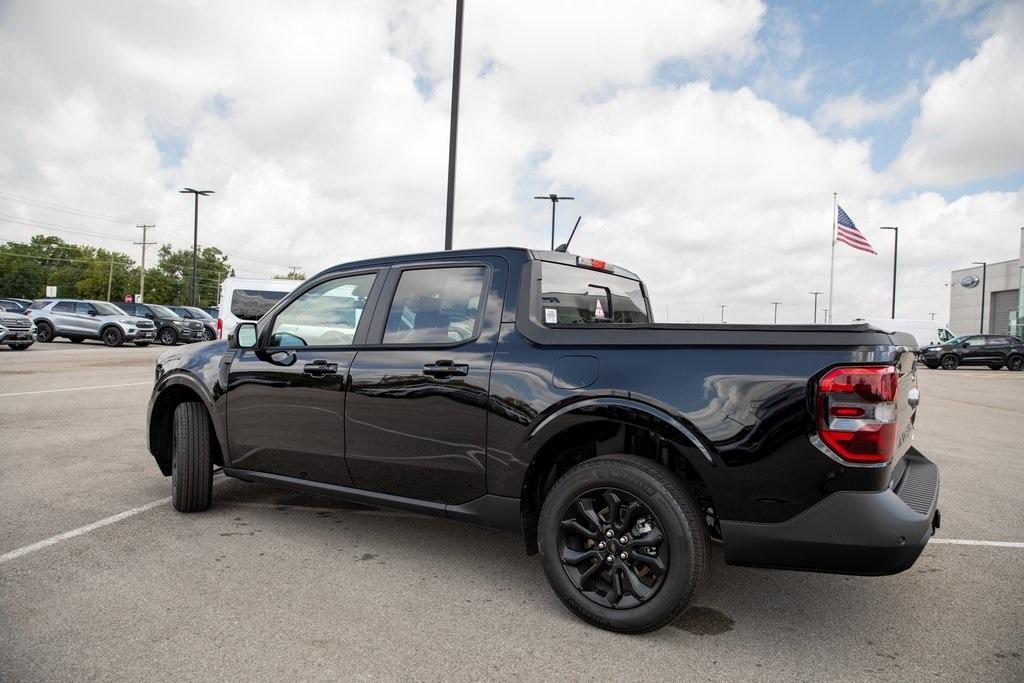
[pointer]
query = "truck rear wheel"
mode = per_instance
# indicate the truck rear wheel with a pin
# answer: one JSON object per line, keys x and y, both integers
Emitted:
{"x": 191, "y": 468}
{"x": 622, "y": 543}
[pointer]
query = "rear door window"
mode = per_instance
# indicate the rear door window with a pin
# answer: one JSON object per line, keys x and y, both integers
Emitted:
{"x": 253, "y": 304}
{"x": 580, "y": 295}
{"x": 64, "y": 307}
{"x": 436, "y": 306}
{"x": 83, "y": 308}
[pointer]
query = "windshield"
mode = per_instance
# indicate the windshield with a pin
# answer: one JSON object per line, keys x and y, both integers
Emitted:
{"x": 163, "y": 311}
{"x": 103, "y": 308}
{"x": 580, "y": 295}
{"x": 199, "y": 313}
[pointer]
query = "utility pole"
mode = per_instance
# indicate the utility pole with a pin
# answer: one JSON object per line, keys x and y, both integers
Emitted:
{"x": 142, "y": 270}
{"x": 453, "y": 132}
{"x": 554, "y": 200}
{"x": 815, "y": 305}
{"x": 932, "y": 315}
{"x": 723, "y": 307}
{"x": 895, "y": 248}
{"x": 110, "y": 278}
{"x": 776, "y": 305}
{"x": 194, "y": 296}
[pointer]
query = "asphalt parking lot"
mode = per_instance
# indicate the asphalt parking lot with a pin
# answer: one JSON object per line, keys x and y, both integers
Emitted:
{"x": 272, "y": 584}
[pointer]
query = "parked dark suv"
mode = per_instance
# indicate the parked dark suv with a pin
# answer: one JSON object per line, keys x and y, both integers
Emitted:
{"x": 171, "y": 328}
{"x": 194, "y": 313}
{"x": 993, "y": 350}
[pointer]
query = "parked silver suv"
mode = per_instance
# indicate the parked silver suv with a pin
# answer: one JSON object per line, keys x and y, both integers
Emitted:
{"x": 78, "y": 320}
{"x": 16, "y": 330}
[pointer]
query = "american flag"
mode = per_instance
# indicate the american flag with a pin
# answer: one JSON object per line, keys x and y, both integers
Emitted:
{"x": 848, "y": 233}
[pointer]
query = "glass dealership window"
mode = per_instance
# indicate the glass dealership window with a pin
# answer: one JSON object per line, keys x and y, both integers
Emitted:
{"x": 436, "y": 306}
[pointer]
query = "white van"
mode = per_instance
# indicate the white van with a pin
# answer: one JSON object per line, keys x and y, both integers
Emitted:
{"x": 246, "y": 300}
{"x": 926, "y": 332}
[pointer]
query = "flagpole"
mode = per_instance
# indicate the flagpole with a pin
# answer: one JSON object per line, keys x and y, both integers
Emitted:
{"x": 832, "y": 266}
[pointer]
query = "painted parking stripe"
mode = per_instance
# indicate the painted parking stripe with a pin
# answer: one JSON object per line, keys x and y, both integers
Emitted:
{"x": 53, "y": 540}
{"x": 965, "y": 541}
{"x": 104, "y": 386}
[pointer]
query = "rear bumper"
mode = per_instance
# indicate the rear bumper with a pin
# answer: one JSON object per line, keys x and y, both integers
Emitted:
{"x": 850, "y": 532}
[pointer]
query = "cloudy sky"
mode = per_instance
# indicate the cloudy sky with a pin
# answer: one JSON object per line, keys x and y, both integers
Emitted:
{"x": 702, "y": 140}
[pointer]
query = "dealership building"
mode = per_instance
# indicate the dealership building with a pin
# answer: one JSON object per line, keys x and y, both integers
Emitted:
{"x": 989, "y": 298}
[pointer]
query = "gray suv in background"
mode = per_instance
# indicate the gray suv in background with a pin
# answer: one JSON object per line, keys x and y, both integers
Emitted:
{"x": 16, "y": 330}
{"x": 77, "y": 320}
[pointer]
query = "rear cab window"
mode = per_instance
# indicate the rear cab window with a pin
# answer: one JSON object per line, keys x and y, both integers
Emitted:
{"x": 573, "y": 295}
{"x": 252, "y": 304}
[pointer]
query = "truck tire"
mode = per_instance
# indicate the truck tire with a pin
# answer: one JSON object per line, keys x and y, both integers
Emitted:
{"x": 191, "y": 468}
{"x": 949, "y": 362}
{"x": 622, "y": 543}
{"x": 113, "y": 336}
{"x": 1015, "y": 363}
{"x": 44, "y": 332}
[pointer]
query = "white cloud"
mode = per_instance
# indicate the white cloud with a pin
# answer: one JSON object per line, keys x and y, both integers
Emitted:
{"x": 969, "y": 126}
{"x": 329, "y": 152}
{"x": 852, "y": 111}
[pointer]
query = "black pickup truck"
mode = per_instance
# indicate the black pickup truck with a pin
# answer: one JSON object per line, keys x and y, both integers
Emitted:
{"x": 532, "y": 391}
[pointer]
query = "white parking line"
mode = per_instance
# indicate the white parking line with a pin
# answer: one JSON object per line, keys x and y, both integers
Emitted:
{"x": 964, "y": 541}
{"x": 53, "y": 540}
{"x": 50, "y": 391}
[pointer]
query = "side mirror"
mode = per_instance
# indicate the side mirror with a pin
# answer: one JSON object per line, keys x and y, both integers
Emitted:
{"x": 966, "y": 344}
{"x": 245, "y": 335}
{"x": 151, "y": 316}
{"x": 92, "y": 312}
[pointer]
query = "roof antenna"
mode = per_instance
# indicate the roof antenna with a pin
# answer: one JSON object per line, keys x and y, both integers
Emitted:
{"x": 565, "y": 247}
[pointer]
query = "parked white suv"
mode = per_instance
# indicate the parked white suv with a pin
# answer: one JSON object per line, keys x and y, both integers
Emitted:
{"x": 77, "y": 320}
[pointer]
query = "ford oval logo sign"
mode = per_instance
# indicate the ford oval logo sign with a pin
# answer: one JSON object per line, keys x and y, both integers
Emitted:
{"x": 969, "y": 281}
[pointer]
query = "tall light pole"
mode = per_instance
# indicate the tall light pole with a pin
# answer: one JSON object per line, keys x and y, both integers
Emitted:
{"x": 984, "y": 272}
{"x": 554, "y": 200}
{"x": 895, "y": 249}
{"x": 723, "y": 307}
{"x": 194, "y": 295}
{"x": 815, "y": 305}
{"x": 453, "y": 131}
{"x": 776, "y": 305}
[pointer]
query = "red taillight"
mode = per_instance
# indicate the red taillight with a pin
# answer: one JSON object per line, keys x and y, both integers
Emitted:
{"x": 593, "y": 263}
{"x": 857, "y": 412}
{"x": 220, "y": 328}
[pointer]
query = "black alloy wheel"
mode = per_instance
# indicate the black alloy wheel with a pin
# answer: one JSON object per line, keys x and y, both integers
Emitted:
{"x": 1015, "y": 363}
{"x": 113, "y": 336}
{"x": 949, "y": 362}
{"x": 168, "y": 337}
{"x": 605, "y": 532}
{"x": 209, "y": 334}
{"x": 612, "y": 548}
{"x": 44, "y": 332}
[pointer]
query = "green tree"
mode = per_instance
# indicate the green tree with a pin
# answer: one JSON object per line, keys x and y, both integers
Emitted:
{"x": 294, "y": 275}
{"x": 170, "y": 281}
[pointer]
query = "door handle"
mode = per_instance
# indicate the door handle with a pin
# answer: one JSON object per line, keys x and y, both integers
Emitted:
{"x": 445, "y": 368}
{"x": 319, "y": 368}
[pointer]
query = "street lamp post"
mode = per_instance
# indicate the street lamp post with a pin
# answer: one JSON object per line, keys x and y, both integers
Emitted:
{"x": 194, "y": 295}
{"x": 815, "y": 305}
{"x": 453, "y": 131}
{"x": 984, "y": 272}
{"x": 776, "y": 305}
{"x": 554, "y": 200}
{"x": 895, "y": 249}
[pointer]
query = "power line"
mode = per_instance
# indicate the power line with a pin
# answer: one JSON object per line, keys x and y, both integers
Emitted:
{"x": 85, "y": 213}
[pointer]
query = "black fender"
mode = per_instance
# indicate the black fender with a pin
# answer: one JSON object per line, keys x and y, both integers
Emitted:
{"x": 616, "y": 409}
{"x": 168, "y": 392}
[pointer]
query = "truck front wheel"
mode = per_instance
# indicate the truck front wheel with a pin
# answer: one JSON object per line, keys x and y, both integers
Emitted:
{"x": 191, "y": 468}
{"x": 622, "y": 543}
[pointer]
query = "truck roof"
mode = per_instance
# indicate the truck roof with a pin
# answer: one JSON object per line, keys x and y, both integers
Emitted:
{"x": 521, "y": 252}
